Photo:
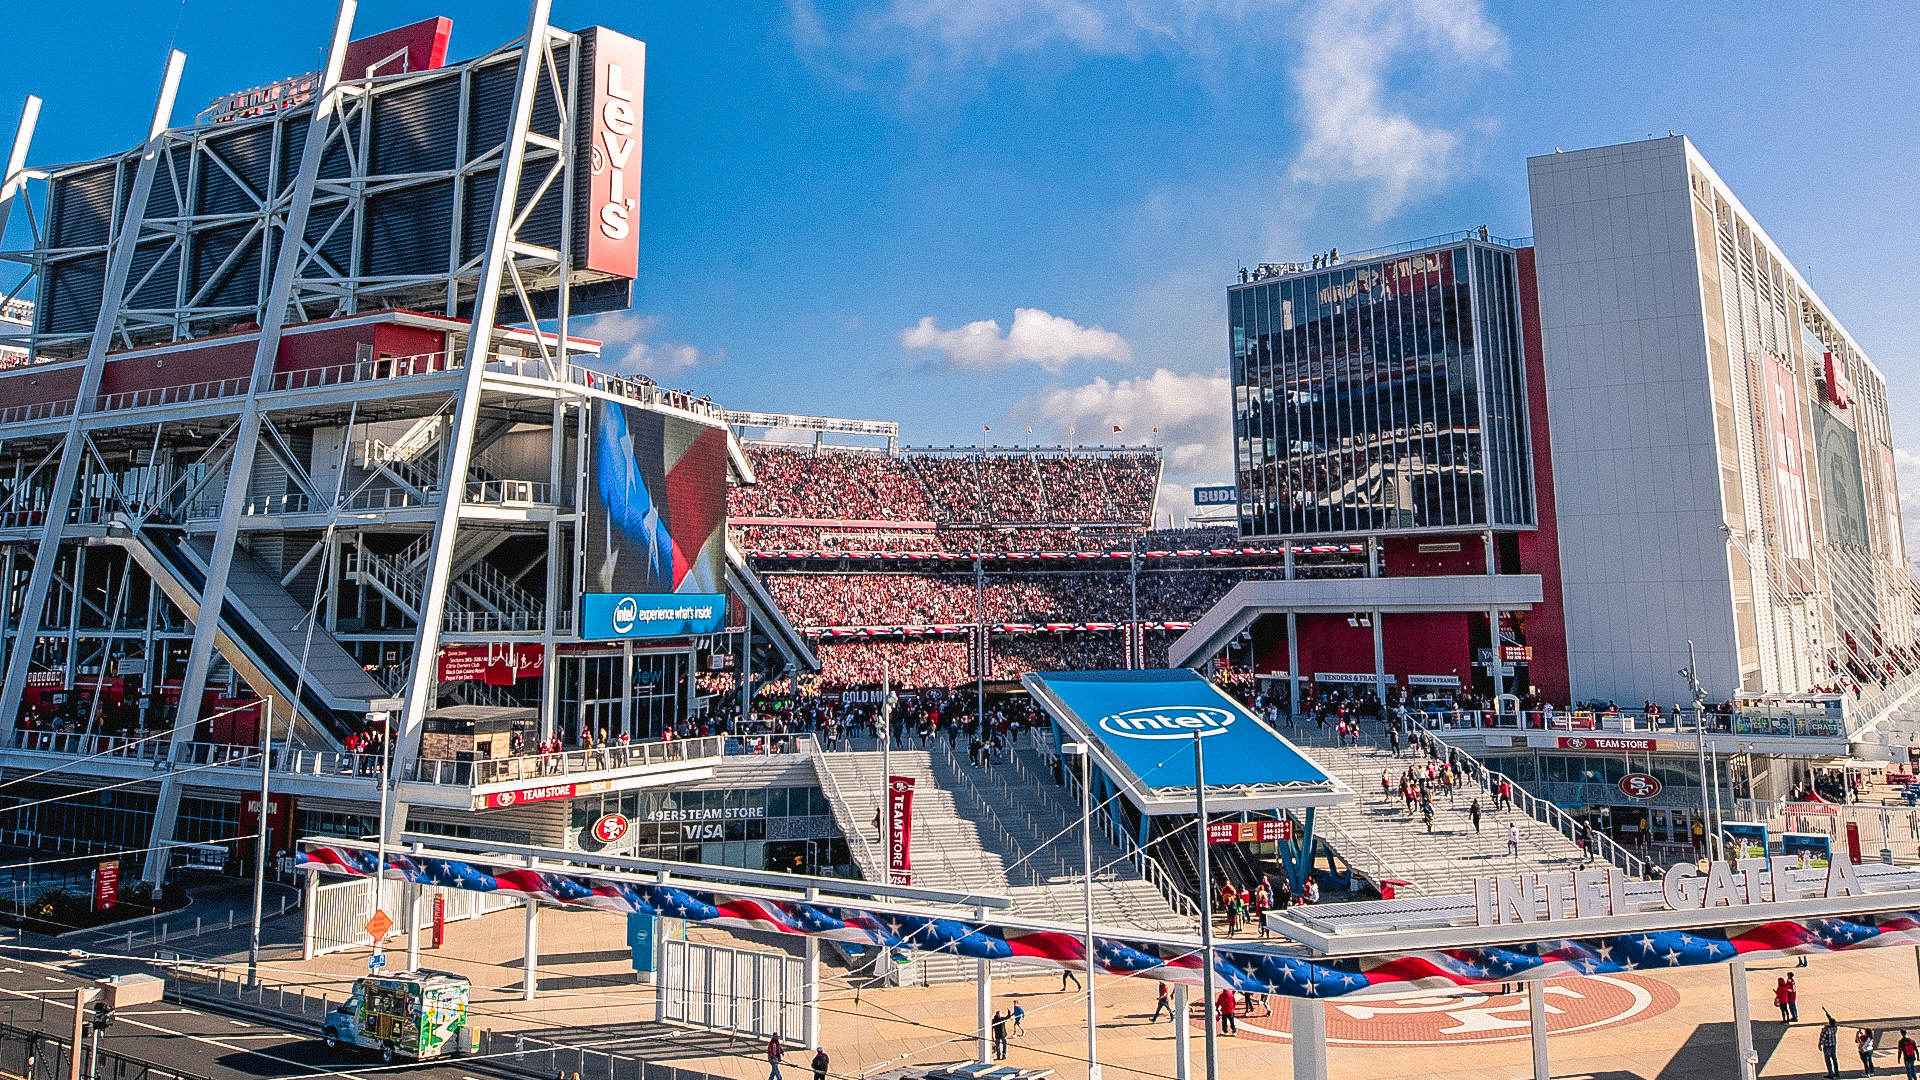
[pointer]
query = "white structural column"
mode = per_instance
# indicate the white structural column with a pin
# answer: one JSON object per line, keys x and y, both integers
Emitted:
{"x": 311, "y": 884}
{"x": 810, "y": 1021}
{"x": 1309, "y": 1024}
{"x": 233, "y": 502}
{"x": 1743, "y": 1021}
{"x": 15, "y": 177}
{"x": 459, "y": 454}
{"x": 1379, "y": 656}
{"x": 530, "y": 962}
{"x": 1537, "y": 1027}
{"x": 1293, "y": 660}
{"x": 414, "y": 895}
{"x": 983, "y": 1008}
{"x": 1182, "y": 1045}
{"x": 72, "y": 451}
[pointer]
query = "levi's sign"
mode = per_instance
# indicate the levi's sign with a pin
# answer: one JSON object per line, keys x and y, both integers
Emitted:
{"x": 610, "y": 128}
{"x": 1737, "y": 883}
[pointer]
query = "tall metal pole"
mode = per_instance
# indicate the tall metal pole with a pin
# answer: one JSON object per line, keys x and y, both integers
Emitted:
{"x": 260, "y": 858}
{"x": 1691, "y": 673}
{"x": 1138, "y": 645}
{"x": 1086, "y": 879}
{"x": 380, "y": 843}
{"x": 980, "y": 646}
{"x": 1206, "y": 912}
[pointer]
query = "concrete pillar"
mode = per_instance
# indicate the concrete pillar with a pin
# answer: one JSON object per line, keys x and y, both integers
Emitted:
{"x": 1537, "y": 1025}
{"x": 530, "y": 978}
{"x": 983, "y": 1008}
{"x": 1379, "y": 658}
{"x": 312, "y": 887}
{"x": 1309, "y": 1024}
{"x": 1182, "y": 1048}
{"x": 1293, "y": 659}
{"x": 1743, "y": 1022}
{"x": 626, "y": 688}
{"x": 812, "y": 1021}
{"x": 1286, "y": 556}
{"x": 414, "y": 894}
{"x": 1373, "y": 556}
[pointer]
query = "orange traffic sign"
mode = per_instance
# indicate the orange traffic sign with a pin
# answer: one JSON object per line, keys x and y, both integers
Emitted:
{"x": 379, "y": 925}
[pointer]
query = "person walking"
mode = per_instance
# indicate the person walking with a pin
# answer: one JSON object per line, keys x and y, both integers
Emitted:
{"x": 1163, "y": 1003}
{"x": 1793, "y": 999}
{"x": 1913, "y": 823}
{"x": 1907, "y": 1052}
{"x": 1830, "y": 1047}
{"x": 1513, "y": 841}
{"x": 1426, "y": 814}
{"x": 1474, "y": 813}
{"x": 820, "y": 1063}
{"x": 1018, "y": 1018}
{"x": 775, "y": 1052}
{"x": 1066, "y": 973}
{"x": 999, "y": 1036}
{"x": 1780, "y": 999}
{"x": 1223, "y": 1005}
{"x": 1863, "y": 1042}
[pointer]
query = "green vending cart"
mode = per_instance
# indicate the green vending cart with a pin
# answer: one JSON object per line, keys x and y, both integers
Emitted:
{"x": 415, "y": 1015}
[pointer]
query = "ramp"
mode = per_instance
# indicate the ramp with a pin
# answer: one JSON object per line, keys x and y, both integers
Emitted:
{"x": 261, "y": 633}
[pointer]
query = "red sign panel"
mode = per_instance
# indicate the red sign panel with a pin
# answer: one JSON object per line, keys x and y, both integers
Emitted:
{"x": 1517, "y": 653}
{"x": 1785, "y": 448}
{"x": 475, "y": 663}
{"x": 499, "y": 799}
{"x": 1249, "y": 832}
{"x": 900, "y": 829}
{"x": 1839, "y": 387}
{"x": 1582, "y": 742}
{"x": 439, "y": 919}
{"x": 611, "y": 129}
{"x": 106, "y": 885}
{"x": 1639, "y": 785}
{"x": 279, "y": 837}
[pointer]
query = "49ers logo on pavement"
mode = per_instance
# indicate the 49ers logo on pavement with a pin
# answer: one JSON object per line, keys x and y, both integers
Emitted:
{"x": 1639, "y": 785}
{"x": 1477, "y": 1014}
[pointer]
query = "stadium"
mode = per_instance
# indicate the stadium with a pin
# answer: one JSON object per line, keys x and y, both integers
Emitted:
{"x": 310, "y": 469}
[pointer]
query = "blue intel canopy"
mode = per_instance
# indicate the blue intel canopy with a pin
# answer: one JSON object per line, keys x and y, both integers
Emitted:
{"x": 1141, "y": 725}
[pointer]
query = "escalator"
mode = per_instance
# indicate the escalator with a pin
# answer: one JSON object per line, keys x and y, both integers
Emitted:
{"x": 261, "y": 633}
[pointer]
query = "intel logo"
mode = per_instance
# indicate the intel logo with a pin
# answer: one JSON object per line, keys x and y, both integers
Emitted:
{"x": 1167, "y": 723}
{"x": 625, "y": 614}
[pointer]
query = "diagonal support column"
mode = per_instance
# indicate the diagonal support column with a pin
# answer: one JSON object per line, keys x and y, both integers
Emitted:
{"x": 247, "y": 440}
{"x": 72, "y": 451}
{"x": 459, "y": 455}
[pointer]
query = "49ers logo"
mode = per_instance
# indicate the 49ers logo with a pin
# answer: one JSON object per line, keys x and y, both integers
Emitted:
{"x": 1639, "y": 786}
{"x": 610, "y": 828}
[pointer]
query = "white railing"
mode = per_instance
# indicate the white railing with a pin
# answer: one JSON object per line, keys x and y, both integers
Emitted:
{"x": 370, "y": 370}
{"x": 1348, "y": 844}
{"x": 173, "y": 395}
{"x": 510, "y": 492}
{"x": 500, "y": 591}
{"x": 388, "y": 573}
{"x": 40, "y": 410}
{"x": 873, "y": 867}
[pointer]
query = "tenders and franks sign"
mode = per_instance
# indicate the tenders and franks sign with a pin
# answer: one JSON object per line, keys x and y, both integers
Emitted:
{"x": 1738, "y": 883}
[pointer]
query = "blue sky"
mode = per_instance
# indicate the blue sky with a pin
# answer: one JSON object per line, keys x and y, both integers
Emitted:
{"x": 839, "y": 195}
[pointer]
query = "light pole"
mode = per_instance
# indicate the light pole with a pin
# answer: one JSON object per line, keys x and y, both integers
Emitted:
{"x": 1689, "y": 673}
{"x": 1079, "y": 750}
{"x": 260, "y": 856}
{"x": 1206, "y": 913}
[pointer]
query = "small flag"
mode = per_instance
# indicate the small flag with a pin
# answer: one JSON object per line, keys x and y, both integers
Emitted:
{"x": 1029, "y": 429}
{"x": 984, "y": 427}
{"x": 1116, "y": 429}
{"x": 1069, "y": 431}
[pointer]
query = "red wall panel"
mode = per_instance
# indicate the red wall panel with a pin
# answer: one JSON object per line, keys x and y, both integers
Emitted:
{"x": 1402, "y": 557}
{"x": 1540, "y": 550}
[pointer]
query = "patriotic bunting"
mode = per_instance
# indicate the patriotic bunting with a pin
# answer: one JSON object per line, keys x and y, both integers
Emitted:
{"x": 1258, "y": 970}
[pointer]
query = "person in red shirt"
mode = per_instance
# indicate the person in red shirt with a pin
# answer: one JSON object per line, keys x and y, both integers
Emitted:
{"x": 1223, "y": 1004}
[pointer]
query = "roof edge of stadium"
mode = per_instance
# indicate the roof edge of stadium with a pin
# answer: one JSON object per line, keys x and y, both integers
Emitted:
{"x": 1333, "y": 259}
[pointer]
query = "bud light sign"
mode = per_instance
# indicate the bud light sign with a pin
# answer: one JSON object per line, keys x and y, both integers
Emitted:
{"x": 1225, "y": 495}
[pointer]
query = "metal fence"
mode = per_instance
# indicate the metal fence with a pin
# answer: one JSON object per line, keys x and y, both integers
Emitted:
{"x": 340, "y": 910}
{"x": 737, "y": 990}
{"x": 33, "y": 1055}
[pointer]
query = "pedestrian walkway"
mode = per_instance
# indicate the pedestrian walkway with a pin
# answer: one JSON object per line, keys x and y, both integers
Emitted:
{"x": 1381, "y": 839}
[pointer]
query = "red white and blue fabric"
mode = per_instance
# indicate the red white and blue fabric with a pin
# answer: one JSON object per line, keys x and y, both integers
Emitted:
{"x": 1257, "y": 969}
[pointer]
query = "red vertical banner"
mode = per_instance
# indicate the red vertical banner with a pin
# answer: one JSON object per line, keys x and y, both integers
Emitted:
{"x": 610, "y": 126}
{"x": 900, "y": 830}
{"x": 106, "y": 885}
{"x": 439, "y": 919}
{"x": 1853, "y": 842}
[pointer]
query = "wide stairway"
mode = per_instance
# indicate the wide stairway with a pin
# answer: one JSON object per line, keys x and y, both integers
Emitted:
{"x": 1007, "y": 830}
{"x": 1379, "y": 839}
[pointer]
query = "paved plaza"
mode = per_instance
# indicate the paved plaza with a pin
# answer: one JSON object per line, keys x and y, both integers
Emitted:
{"x": 1626, "y": 1026}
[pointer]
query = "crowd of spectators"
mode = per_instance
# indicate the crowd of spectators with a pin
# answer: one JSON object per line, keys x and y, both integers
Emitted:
{"x": 944, "y": 663}
{"x": 908, "y": 599}
{"x": 966, "y": 541}
{"x": 829, "y": 484}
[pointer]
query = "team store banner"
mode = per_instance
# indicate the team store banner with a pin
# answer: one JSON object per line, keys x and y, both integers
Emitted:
{"x": 1253, "y": 970}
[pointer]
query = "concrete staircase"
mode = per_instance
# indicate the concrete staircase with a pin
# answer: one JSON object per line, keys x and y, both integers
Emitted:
{"x": 1003, "y": 833}
{"x": 1380, "y": 839}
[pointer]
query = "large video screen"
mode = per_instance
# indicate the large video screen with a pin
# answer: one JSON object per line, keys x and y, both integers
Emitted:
{"x": 656, "y": 534}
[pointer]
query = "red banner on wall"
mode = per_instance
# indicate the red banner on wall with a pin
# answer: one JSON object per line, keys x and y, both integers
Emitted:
{"x": 106, "y": 885}
{"x": 462, "y": 663}
{"x": 900, "y": 830}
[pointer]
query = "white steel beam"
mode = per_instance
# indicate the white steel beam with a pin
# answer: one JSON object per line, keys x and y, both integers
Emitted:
{"x": 119, "y": 265}
{"x": 459, "y": 455}
{"x": 240, "y": 466}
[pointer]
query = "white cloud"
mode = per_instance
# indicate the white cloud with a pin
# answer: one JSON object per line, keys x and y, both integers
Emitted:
{"x": 626, "y": 348}
{"x": 1190, "y": 411}
{"x": 1047, "y": 340}
{"x": 1906, "y": 471}
{"x": 1351, "y": 131}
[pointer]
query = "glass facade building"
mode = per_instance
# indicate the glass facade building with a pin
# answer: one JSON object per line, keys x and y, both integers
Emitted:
{"x": 1382, "y": 395}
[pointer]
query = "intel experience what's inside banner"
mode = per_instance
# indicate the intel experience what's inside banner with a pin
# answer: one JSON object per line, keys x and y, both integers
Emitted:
{"x": 656, "y": 526}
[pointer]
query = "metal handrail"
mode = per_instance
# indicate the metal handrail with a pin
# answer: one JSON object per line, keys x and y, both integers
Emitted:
{"x": 812, "y": 742}
{"x": 1384, "y": 870}
{"x": 1550, "y": 815}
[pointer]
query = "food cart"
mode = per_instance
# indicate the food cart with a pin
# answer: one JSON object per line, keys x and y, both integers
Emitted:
{"x": 416, "y": 1015}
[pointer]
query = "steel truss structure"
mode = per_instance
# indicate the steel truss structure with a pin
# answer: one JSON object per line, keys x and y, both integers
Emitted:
{"x": 297, "y": 363}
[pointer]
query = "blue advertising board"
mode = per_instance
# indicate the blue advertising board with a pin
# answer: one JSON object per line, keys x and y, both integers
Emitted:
{"x": 1144, "y": 722}
{"x": 1217, "y": 495}
{"x": 640, "y": 938}
{"x": 642, "y": 615}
